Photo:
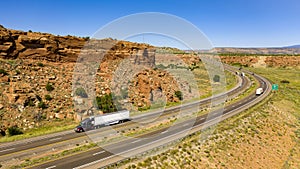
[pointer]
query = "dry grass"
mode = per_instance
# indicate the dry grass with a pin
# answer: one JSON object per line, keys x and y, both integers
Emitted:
{"x": 267, "y": 136}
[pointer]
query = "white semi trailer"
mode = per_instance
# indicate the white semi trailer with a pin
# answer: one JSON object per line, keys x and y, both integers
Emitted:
{"x": 95, "y": 122}
{"x": 259, "y": 91}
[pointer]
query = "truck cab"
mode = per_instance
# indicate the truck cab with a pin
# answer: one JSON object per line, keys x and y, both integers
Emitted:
{"x": 85, "y": 125}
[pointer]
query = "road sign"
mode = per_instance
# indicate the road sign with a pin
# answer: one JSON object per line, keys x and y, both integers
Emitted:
{"x": 275, "y": 87}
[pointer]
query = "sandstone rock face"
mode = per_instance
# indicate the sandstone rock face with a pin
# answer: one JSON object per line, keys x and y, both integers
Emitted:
{"x": 31, "y": 45}
{"x": 34, "y": 60}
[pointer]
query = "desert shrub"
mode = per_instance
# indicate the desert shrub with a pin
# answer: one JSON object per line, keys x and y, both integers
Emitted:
{"x": 14, "y": 130}
{"x": 30, "y": 103}
{"x": 2, "y": 71}
{"x": 48, "y": 97}
{"x": 216, "y": 78}
{"x": 18, "y": 72}
{"x": 284, "y": 81}
{"x": 40, "y": 64}
{"x": 179, "y": 95}
{"x": 49, "y": 87}
{"x": 42, "y": 105}
{"x": 81, "y": 92}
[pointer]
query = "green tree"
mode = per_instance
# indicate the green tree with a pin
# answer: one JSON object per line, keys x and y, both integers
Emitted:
{"x": 106, "y": 103}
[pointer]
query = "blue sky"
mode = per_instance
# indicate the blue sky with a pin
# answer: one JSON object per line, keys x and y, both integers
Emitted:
{"x": 227, "y": 23}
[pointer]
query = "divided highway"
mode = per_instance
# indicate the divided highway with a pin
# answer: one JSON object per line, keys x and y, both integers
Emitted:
{"x": 100, "y": 157}
{"x": 31, "y": 147}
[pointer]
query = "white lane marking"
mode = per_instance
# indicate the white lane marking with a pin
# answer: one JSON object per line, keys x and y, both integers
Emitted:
{"x": 186, "y": 124}
{"x": 55, "y": 139}
{"x": 7, "y": 149}
{"x": 98, "y": 153}
{"x": 164, "y": 132}
{"x": 136, "y": 141}
{"x": 202, "y": 118}
{"x": 51, "y": 167}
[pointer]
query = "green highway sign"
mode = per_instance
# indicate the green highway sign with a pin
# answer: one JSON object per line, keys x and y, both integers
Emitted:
{"x": 275, "y": 87}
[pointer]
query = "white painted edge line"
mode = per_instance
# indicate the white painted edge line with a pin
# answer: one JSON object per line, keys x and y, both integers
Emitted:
{"x": 7, "y": 149}
{"x": 136, "y": 141}
{"x": 98, "y": 153}
{"x": 164, "y": 132}
{"x": 51, "y": 167}
{"x": 55, "y": 139}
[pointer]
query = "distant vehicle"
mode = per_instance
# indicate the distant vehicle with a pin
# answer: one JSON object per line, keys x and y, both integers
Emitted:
{"x": 237, "y": 73}
{"x": 98, "y": 121}
{"x": 259, "y": 91}
{"x": 242, "y": 74}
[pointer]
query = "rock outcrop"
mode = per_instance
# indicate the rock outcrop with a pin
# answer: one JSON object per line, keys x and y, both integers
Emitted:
{"x": 37, "y": 75}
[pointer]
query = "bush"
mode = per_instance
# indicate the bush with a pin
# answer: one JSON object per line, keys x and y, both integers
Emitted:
{"x": 30, "y": 103}
{"x": 49, "y": 87}
{"x": 48, "y": 97}
{"x": 284, "y": 81}
{"x": 2, "y": 71}
{"x": 42, "y": 105}
{"x": 14, "y": 130}
{"x": 81, "y": 92}
{"x": 40, "y": 64}
{"x": 216, "y": 78}
{"x": 179, "y": 95}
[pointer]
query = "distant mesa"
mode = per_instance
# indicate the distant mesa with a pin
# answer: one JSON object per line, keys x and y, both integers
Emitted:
{"x": 293, "y": 46}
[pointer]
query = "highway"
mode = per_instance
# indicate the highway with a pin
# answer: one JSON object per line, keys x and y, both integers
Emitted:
{"x": 32, "y": 147}
{"x": 23, "y": 148}
{"x": 100, "y": 157}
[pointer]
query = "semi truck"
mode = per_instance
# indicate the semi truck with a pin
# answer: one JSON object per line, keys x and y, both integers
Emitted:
{"x": 259, "y": 91}
{"x": 98, "y": 121}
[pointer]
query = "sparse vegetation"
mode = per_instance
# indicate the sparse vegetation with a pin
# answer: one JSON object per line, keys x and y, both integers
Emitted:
{"x": 242, "y": 140}
{"x": 40, "y": 64}
{"x": 14, "y": 130}
{"x": 42, "y": 105}
{"x": 179, "y": 95}
{"x": 2, "y": 71}
{"x": 49, "y": 87}
{"x": 48, "y": 97}
{"x": 106, "y": 103}
{"x": 216, "y": 78}
{"x": 81, "y": 92}
{"x": 284, "y": 81}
